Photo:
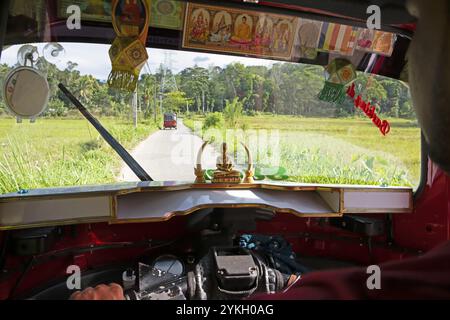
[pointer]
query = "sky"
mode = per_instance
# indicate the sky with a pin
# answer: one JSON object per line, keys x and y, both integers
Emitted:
{"x": 93, "y": 59}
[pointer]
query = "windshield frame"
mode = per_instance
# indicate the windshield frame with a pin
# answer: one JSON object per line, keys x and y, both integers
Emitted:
{"x": 406, "y": 33}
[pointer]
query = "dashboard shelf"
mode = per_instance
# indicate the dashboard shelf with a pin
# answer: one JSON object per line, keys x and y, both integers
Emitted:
{"x": 161, "y": 201}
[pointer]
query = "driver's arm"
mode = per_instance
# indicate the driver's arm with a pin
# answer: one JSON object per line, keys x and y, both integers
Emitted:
{"x": 101, "y": 292}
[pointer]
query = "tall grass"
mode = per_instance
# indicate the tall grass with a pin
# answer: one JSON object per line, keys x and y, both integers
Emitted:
{"x": 335, "y": 151}
{"x": 317, "y": 158}
{"x": 58, "y": 153}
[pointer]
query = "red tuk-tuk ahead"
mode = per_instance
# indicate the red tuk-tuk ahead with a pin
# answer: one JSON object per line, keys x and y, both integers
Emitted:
{"x": 170, "y": 121}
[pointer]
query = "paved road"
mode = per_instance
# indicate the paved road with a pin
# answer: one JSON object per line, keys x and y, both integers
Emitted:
{"x": 170, "y": 155}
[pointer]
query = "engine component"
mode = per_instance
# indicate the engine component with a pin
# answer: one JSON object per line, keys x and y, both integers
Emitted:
{"x": 368, "y": 226}
{"x": 32, "y": 241}
{"x": 151, "y": 278}
{"x": 173, "y": 290}
{"x": 224, "y": 273}
{"x": 275, "y": 251}
{"x": 233, "y": 273}
{"x": 236, "y": 269}
{"x": 128, "y": 279}
{"x": 169, "y": 264}
{"x": 155, "y": 284}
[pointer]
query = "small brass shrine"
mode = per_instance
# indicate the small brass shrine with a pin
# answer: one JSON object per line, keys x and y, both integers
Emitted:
{"x": 224, "y": 173}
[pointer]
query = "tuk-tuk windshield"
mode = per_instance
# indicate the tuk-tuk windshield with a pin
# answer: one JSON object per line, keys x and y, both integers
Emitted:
{"x": 303, "y": 122}
{"x": 170, "y": 117}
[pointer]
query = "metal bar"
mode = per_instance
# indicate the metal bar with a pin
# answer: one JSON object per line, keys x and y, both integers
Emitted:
{"x": 129, "y": 160}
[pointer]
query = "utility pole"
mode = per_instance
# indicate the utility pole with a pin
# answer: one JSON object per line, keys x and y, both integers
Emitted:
{"x": 161, "y": 103}
{"x": 203, "y": 101}
{"x": 168, "y": 81}
{"x": 154, "y": 103}
{"x": 154, "y": 93}
{"x": 134, "y": 104}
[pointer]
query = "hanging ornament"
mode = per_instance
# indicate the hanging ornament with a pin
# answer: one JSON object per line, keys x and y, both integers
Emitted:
{"x": 54, "y": 52}
{"x": 339, "y": 73}
{"x": 128, "y": 53}
{"x": 369, "y": 110}
{"x": 27, "y": 55}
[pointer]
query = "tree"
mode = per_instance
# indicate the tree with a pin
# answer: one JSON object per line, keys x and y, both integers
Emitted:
{"x": 282, "y": 88}
{"x": 195, "y": 84}
{"x": 175, "y": 101}
{"x": 4, "y": 69}
{"x": 147, "y": 87}
{"x": 407, "y": 111}
{"x": 372, "y": 91}
{"x": 216, "y": 89}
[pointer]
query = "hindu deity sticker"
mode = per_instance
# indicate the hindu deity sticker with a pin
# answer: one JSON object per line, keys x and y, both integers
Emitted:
{"x": 308, "y": 36}
{"x": 375, "y": 41}
{"x": 283, "y": 35}
{"x": 221, "y": 28}
{"x": 232, "y": 30}
{"x": 383, "y": 43}
{"x": 264, "y": 31}
{"x": 199, "y": 28}
{"x": 365, "y": 39}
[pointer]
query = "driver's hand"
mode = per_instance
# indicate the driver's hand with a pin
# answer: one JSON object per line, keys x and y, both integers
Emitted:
{"x": 101, "y": 292}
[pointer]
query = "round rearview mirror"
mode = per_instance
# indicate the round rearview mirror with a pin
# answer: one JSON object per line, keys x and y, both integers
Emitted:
{"x": 26, "y": 93}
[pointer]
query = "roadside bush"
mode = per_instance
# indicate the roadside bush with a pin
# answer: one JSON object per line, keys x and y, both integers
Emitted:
{"x": 233, "y": 112}
{"x": 213, "y": 120}
{"x": 56, "y": 108}
{"x": 2, "y": 109}
{"x": 251, "y": 113}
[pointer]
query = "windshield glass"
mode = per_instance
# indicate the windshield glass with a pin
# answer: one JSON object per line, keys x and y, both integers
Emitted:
{"x": 286, "y": 113}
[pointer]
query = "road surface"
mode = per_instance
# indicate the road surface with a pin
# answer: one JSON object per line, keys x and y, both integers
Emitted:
{"x": 170, "y": 155}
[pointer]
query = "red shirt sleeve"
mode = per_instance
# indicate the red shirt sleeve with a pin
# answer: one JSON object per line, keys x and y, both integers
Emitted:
{"x": 424, "y": 277}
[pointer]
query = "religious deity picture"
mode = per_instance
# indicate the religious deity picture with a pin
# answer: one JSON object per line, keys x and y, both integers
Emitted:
{"x": 130, "y": 17}
{"x": 167, "y": 14}
{"x": 199, "y": 26}
{"x": 243, "y": 27}
{"x": 92, "y": 10}
{"x": 282, "y": 36}
{"x": 383, "y": 43}
{"x": 375, "y": 41}
{"x": 365, "y": 39}
{"x": 308, "y": 35}
{"x": 220, "y": 29}
{"x": 264, "y": 31}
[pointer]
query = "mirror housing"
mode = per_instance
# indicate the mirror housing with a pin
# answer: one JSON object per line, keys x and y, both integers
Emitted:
{"x": 26, "y": 93}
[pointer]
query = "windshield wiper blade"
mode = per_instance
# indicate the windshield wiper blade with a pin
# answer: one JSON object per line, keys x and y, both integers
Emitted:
{"x": 126, "y": 157}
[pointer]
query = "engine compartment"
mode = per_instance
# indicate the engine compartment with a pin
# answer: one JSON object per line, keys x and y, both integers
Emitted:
{"x": 211, "y": 254}
{"x": 224, "y": 273}
{"x": 170, "y": 278}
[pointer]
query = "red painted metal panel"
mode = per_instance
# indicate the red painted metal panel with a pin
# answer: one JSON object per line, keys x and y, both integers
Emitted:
{"x": 429, "y": 225}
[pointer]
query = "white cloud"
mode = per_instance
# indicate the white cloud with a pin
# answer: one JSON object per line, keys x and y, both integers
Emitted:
{"x": 200, "y": 59}
{"x": 94, "y": 59}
